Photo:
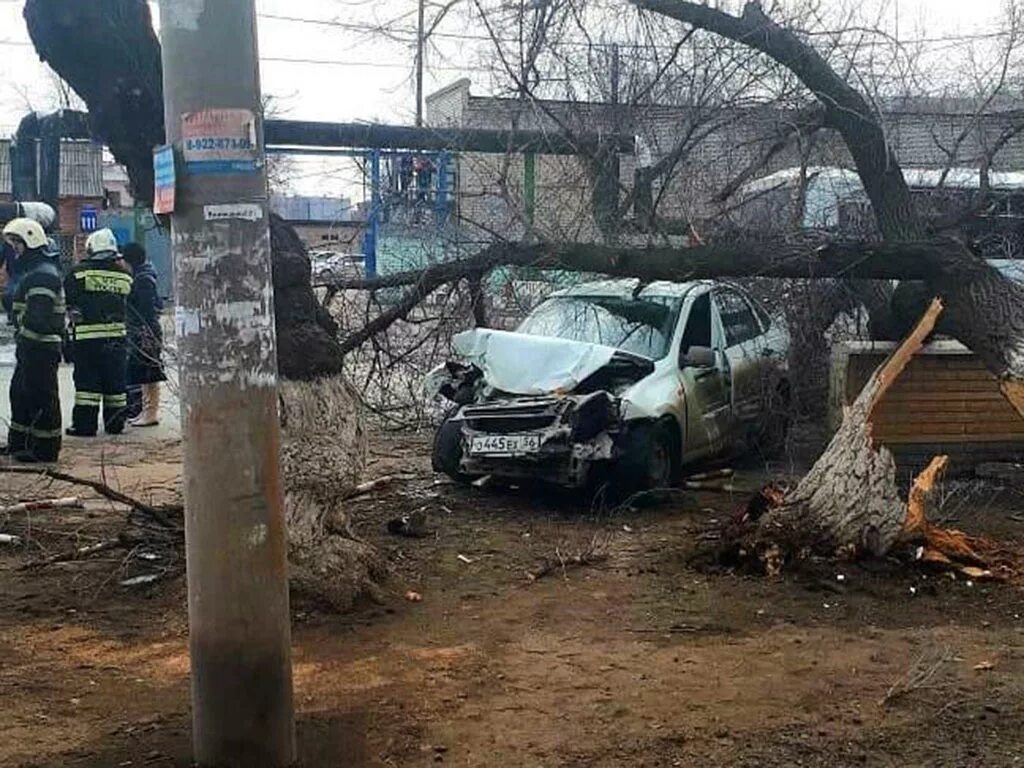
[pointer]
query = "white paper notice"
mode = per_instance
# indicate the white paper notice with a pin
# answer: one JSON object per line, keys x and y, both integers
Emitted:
{"x": 243, "y": 211}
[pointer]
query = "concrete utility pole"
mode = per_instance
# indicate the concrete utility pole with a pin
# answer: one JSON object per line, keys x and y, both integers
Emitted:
{"x": 234, "y": 522}
{"x": 421, "y": 34}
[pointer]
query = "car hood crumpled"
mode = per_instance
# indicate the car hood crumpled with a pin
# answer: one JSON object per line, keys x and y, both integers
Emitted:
{"x": 520, "y": 364}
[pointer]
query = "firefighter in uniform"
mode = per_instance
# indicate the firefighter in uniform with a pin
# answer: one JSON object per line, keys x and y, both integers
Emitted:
{"x": 37, "y": 310}
{"x": 97, "y": 291}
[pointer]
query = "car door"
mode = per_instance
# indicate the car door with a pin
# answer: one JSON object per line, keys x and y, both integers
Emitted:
{"x": 743, "y": 332}
{"x": 706, "y": 388}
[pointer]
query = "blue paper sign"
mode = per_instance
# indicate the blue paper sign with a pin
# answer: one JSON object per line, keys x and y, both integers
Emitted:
{"x": 165, "y": 180}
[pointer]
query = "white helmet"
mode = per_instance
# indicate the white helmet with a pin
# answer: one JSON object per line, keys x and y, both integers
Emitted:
{"x": 101, "y": 241}
{"x": 40, "y": 212}
{"x": 28, "y": 231}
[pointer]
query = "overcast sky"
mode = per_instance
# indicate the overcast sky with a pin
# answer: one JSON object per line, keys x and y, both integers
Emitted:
{"x": 327, "y": 71}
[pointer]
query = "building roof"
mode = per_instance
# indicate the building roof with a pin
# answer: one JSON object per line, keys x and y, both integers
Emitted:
{"x": 916, "y": 178}
{"x": 81, "y": 169}
{"x": 313, "y": 209}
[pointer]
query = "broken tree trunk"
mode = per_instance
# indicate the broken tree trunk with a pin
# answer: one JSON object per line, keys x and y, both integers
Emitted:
{"x": 849, "y": 503}
{"x": 849, "y": 500}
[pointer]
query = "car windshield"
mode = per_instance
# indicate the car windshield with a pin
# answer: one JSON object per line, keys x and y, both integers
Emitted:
{"x": 640, "y": 325}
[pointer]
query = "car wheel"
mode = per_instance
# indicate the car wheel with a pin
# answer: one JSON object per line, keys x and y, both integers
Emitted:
{"x": 447, "y": 453}
{"x": 648, "y": 458}
{"x": 775, "y": 424}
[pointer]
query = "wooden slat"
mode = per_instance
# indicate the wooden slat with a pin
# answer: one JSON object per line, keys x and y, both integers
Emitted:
{"x": 947, "y": 402}
{"x": 953, "y": 440}
{"x": 947, "y": 415}
{"x": 960, "y": 404}
{"x": 940, "y": 395}
{"x": 961, "y": 386}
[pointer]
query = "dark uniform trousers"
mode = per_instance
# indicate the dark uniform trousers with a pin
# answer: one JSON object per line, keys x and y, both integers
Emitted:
{"x": 97, "y": 290}
{"x": 38, "y": 314}
{"x": 35, "y": 401}
{"x": 101, "y": 380}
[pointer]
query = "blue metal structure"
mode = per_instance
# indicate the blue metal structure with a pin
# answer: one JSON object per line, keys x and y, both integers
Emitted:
{"x": 383, "y": 205}
{"x": 374, "y": 219}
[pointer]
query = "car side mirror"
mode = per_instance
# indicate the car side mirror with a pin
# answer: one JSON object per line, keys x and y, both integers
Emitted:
{"x": 698, "y": 357}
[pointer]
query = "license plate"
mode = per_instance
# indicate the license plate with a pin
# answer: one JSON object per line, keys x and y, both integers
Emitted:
{"x": 504, "y": 445}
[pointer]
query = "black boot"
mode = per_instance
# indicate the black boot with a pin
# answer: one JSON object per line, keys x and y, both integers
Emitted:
{"x": 75, "y": 432}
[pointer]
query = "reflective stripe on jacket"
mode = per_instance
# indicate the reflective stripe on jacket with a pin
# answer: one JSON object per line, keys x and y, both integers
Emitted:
{"x": 38, "y": 306}
{"x": 97, "y": 289}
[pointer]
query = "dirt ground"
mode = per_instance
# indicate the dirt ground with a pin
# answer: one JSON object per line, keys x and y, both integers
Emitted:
{"x": 640, "y": 660}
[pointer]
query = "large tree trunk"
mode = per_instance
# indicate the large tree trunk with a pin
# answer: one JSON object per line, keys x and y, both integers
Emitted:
{"x": 107, "y": 52}
{"x": 849, "y": 499}
{"x": 323, "y": 457}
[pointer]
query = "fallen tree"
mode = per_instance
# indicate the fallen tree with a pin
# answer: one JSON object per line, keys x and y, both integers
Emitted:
{"x": 982, "y": 308}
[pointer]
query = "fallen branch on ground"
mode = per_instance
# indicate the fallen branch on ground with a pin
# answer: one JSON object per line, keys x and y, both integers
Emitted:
{"x": 371, "y": 485}
{"x": 719, "y": 486}
{"x": 158, "y": 514}
{"x": 595, "y": 552}
{"x": 78, "y": 553}
{"x": 72, "y": 502}
{"x": 919, "y": 675}
{"x": 562, "y": 563}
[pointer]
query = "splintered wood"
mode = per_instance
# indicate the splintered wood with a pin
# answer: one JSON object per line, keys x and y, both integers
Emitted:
{"x": 849, "y": 500}
{"x": 976, "y": 557}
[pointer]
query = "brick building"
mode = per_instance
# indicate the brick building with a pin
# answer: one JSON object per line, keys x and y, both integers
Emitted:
{"x": 926, "y": 133}
{"x": 323, "y": 223}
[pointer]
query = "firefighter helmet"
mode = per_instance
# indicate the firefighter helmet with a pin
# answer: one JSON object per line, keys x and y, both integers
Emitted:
{"x": 30, "y": 232}
{"x": 101, "y": 241}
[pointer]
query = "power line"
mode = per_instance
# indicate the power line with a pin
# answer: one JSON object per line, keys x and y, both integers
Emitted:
{"x": 372, "y": 64}
{"x": 411, "y": 32}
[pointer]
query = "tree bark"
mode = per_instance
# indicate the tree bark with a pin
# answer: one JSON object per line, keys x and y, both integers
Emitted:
{"x": 323, "y": 457}
{"x": 849, "y": 500}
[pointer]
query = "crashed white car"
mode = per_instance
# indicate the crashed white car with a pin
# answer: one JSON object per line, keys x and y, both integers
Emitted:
{"x": 614, "y": 381}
